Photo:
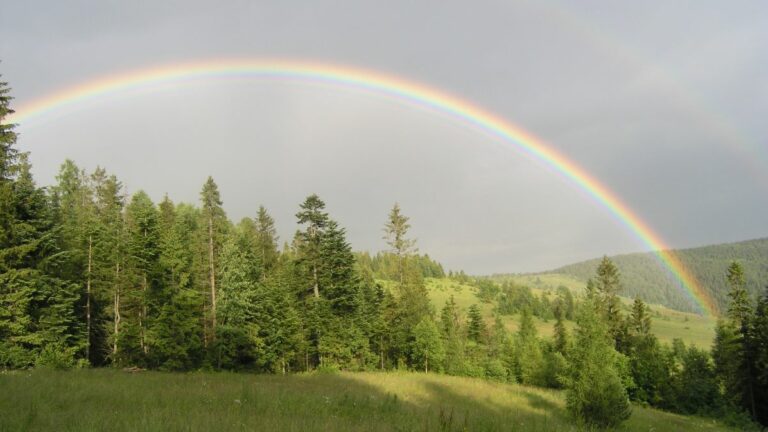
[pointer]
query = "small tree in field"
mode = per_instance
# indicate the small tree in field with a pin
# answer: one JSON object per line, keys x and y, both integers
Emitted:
{"x": 596, "y": 393}
{"x": 428, "y": 350}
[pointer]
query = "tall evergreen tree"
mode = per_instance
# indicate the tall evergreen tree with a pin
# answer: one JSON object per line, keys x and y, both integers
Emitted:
{"x": 528, "y": 359}
{"x": 476, "y": 330}
{"x": 561, "y": 333}
{"x": 395, "y": 232}
{"x": 607, "y": 285}
{"x": 38, "y": 324}
{"x": 596, "y": 393}
{"x": 215, "y": 228}
{"x": 759, "y": 354}
{"x": 732, "y": 351}
{"x": 311, "y": 215}
{"x": 267, "y": 239}
{"x": 109, "y": 254}
{"x": 142, "y": 270}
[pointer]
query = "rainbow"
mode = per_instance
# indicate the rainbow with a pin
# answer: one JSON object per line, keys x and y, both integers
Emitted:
{"x": 392, "y": 87}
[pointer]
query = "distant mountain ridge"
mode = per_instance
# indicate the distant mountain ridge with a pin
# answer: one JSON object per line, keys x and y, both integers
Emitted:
{"x": 642, "y": 274}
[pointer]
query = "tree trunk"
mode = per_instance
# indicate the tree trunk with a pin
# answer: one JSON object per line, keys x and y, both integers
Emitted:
{"x": 143, "y": 317}
{"x": 88, "y": 301}
{"x": 116, "y": 308}
{"x": 316, "y": 287}
{"x": 426, "y": 362}
{"x": 213, "y": 278}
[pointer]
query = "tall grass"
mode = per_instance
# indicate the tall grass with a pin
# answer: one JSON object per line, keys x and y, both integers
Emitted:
{"x": 112, "y": 400}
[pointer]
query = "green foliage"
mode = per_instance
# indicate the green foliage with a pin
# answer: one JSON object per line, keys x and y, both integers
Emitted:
{"x": 643, "y": 276}
{"x": 596, "y": 391}
{"x": 427, "y": 346}
{"x": 476, "y": 330}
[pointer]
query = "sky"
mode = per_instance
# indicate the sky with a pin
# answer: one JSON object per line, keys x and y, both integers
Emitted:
{"x": 663, "y": 102}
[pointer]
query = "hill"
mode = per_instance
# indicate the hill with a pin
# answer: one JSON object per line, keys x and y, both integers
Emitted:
{"x": 643, "y": 276}
{"x": 108, "y": 399}
{"x": 667, "y": 324}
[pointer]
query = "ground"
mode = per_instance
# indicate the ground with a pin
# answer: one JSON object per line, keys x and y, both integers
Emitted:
{"x": 108, "y": 399}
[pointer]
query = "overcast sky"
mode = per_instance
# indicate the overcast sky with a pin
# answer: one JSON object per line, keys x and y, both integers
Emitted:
{"x": 664, "y": 102}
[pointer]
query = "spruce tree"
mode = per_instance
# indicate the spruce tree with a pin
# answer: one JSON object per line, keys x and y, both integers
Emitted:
{"x": 267, "y": 239}
{"x": 595, "y": 389}
{"x": 476, "y": 330}
{"x": 315, "y": 220}
{"x": 607, "y": 285}
{"x": 237, "y": 330}
{"x": 732, "y": 351}
{"x": 395, "y": 232}
{"x": 38, "y": 323}
{"x": 214, "y": 229}
{"x": 528, "y": 359}
{"x": 640, "y": 319}
{"x": 759, "y": 354}
{"x": 109, "y": 255}
{"x": 560, "y": 333}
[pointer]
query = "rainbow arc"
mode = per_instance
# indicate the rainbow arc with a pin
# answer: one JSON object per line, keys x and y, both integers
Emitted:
{"x": 398, "y": 89}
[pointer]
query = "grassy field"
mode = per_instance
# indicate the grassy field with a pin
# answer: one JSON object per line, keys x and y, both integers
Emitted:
{"x": 100, "y": 400}
{"x": 667, "y": 324}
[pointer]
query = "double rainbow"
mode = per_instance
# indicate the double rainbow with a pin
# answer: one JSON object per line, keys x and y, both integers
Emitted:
{"x": 398, "y": 89}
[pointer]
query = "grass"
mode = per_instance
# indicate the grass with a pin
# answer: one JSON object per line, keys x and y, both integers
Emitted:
{"x": 106, "y": 399}
{"x": 667, "y": 324}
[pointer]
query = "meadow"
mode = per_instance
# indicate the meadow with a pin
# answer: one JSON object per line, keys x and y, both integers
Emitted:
{"x": 115, "y": 400}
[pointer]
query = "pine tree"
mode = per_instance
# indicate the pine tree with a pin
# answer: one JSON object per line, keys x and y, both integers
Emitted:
{"x": 450, "y": 323}
{"x": 109, "y": 254}
{"x": 561, "y": 333}
{"x": 740, "y": 306}
{"x": 75, "y": 210}
{"x": 732, "y": 351}
{"x": 38, "y": 324}
{"x": 316, "y": 220}
{"x": 395, "y": 231}
{"x": 337, "y": 271}
{"x": 528, "y": 359}
{"x": 476, "y": 330}
{"x": 142, "y": 271}
{"x": 215, "y": 229}
{"x": 267, "y": 239}
{"x": 759, "y": 354}
{"x": 607, "y": 285}
{"x": 595, "y": 389}
{"x": 237, "y": 331}
{"x": 177, "y": 335}
{"x": 640, "y": 320}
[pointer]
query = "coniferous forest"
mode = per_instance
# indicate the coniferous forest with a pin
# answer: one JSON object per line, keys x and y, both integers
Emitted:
{"x": 93, "y": 278}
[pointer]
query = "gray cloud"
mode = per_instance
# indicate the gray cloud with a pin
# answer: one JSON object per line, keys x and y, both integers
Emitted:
{"x": 663, "y": 102}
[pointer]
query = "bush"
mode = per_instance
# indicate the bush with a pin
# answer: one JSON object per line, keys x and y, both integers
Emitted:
{"x": 54, "y": 356}
{"x": 598, "y": 397}
{"x": 495, "y": 370}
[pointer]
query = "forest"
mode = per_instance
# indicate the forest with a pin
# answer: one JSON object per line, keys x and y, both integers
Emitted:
{"x": 644, "y": 277}
{"x": 93, "y": 278}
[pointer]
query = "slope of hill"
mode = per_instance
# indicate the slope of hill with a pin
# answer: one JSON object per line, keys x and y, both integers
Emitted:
{"x": 642, "y": 274}
{"x": 667, "y": 324}
{"x": 108, "y": 399}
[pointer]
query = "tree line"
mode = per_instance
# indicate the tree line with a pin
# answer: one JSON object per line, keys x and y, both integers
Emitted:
{"x": 643, "y": 277}
{"x": 92, "y": 277}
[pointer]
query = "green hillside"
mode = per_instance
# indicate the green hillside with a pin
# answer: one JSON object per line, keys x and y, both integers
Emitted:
{"x": 108, "y": 399}
{"x": 667, "y": 324}
{"x": 643, "y": 276}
